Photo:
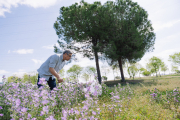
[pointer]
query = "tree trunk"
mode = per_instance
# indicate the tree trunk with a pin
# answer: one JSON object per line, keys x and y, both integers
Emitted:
{"x": 113, "y": 74}
{"x": 121, "y": 70}
{"x": 97, "y": 67}
{"x": 156, "y": 74}
{"x": 94, "y": 41}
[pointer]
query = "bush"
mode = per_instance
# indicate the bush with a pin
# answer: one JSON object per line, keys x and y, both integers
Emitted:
{"x": 117, "y": 77}
{"x": 104, "y": 77}
{"x": 146, "y": 73}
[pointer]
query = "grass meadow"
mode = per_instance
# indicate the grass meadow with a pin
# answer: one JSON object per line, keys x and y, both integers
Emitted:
{"x": 146, "y": 98}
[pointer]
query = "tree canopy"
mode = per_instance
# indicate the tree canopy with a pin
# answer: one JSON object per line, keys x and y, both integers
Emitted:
{"x": 130, "y": 35}
{"x": 81, "y": 27}
{"x": 175, "y": 58}
{"x": 155, "y": 63}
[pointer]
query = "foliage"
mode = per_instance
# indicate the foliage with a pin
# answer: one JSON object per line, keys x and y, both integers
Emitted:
{"x": 175, "y": 58}
{"x": 75, "y": 71}
{"x": 130, "y": 35}
{"x": 174, "y": 68}
{"x": 26, "y": 78}
{"x": 141, "y": 70}
{"x": 117, "y": 77}
{"x": 132, "y": 70}
{"x": 104, "y": 78}
{"x": 69, "y": 102}
{"x": 155, "y": 64}
{"x": 164, "y": 67}
{"x": 146, "y": 73}
{"x": 86, "y": 76}
{"x": 81, "y": 27}
{"x": 90, "y": 70}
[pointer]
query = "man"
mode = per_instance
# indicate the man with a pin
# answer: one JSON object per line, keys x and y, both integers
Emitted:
{"x": 50, "y": 68}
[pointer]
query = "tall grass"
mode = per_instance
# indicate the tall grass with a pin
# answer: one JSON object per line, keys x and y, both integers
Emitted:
{"x": 151, "y": 99}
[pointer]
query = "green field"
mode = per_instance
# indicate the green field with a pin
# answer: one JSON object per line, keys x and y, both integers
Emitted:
{"x": 136, "y": 103}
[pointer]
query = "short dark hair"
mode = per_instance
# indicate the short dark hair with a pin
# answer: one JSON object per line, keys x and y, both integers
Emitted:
{"x": 67, "y": 52}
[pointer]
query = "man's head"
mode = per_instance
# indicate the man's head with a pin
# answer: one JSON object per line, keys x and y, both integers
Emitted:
{"x": 67, "y": 54}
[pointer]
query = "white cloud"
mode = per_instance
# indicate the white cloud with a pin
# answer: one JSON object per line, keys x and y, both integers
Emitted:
{"x": 9, "y": 51}
{"x": 24, "y": 51}
{"x": 37, "y": 61}
{"x": 5, "y": 5}
{"x": 50, "y": 46}
{"x": 3, "y": 72}
{"x": 159, "y": 25}
{"x": 19, "y": 74}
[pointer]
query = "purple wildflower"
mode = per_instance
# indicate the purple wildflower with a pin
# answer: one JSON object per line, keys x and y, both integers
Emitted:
{"x": 29, "y": 115}
{"x": 154, "y": 95}
{"x": 50, "y": 118}
{"x": 18, "y": 102}
{"x": 3, "y": 76}
{"x": 77, "y": 112}
{"x": 1, "y": 107}
{"x": 45, "y": 109}
{"x": 24, "y": 109}
{"x": 94, "y": 113}
{"x": 1, "y": 114}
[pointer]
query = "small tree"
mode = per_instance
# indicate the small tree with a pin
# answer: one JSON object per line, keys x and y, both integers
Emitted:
{"x": 141, "y": 70}
{"x": 174, "y": 68}
{"x": 139, "y": 66}
{"x": 175, "y": 58}
{"x": 154, "y": 63}
{"x": 146, "y": 73}
{"x": 164, "y": 68}
{"x": 132, "y": 70}
{"x": 12, "y": 79}
{"x": 75, "y": 71}
{"x": 86, "y": 76}
{"x": 90, "y": 70}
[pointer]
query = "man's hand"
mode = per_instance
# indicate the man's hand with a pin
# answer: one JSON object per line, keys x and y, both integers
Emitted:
{"x": 59, "y": 80}
{"x": 56, "y": 75}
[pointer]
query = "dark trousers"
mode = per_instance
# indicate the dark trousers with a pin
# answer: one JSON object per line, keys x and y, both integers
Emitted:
{"x": 51, "y": 83}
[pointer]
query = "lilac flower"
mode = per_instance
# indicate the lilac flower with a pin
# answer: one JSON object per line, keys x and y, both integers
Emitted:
{"x": 154, "y": 95}
{"x": 18, "y": 102}
{"x": 29, "y": 115}
{"x": 45, "y": 102}
{"x": 64, "y": 114}
{"x": 50, "y": 118}
{"x": 45, "y": 109}
{"x": 3, "y": 76}
{"x": 42, "y": 113}
{"x": 77, "y": 112}
{"x": 1, "y": 107}
{"x": 85, "y": 107}
{"x": 116, "y": 97}
{"x": 33, "y": 118}
{"x": 24, "y": 109}
{"x": 1, "y": 114}
{"x": 95, "y": 93}
{"x": 42, "y": 81}
{"x": 94, "y": 113}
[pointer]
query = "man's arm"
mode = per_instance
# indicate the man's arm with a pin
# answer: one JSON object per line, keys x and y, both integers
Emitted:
{"x": 55, "y": 74}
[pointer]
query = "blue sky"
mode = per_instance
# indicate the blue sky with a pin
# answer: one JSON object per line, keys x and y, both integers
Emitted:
{"x": 27, "y": 35}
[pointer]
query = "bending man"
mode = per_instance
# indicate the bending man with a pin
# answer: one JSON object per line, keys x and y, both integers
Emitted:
{"x": 50, "y": 68}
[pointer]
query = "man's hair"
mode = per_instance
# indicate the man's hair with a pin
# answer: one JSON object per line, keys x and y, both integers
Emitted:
{"x": 67, "y": 52}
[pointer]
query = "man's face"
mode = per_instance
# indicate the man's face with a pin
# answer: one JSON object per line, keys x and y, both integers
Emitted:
{"x": 68, "y": 56}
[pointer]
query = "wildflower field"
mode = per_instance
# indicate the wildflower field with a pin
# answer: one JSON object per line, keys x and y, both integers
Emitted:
{"x": 152, "y": 99}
